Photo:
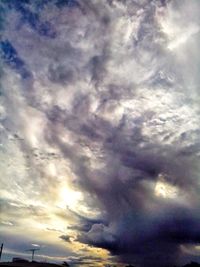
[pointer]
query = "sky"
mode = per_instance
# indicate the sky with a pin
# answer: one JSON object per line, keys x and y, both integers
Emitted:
{"x": 99, "y": 131}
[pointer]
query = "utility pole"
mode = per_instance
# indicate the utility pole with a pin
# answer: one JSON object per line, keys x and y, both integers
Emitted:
{"x": 33, "y": 251}
{"x": 1, "y": 249}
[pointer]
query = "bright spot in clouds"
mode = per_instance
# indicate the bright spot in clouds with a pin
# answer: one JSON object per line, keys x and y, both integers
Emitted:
{"x": 70, "y": 198}
{"x": 164, "y": 189}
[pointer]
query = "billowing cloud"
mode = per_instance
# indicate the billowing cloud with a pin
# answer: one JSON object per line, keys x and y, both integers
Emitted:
{"x": 99, "y": 123}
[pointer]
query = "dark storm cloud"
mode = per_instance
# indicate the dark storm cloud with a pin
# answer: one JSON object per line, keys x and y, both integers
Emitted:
{"x": 126, "y": 196}
{"x": 112, "y": 99}
{"x": 130, "y": 163}
{"x": 130, "y": 160}
{"x": 155, "y": 240}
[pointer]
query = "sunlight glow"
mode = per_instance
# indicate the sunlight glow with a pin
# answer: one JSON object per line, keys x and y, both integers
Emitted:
{"x": 183, "y": 38}
{"x": 177, "y": 35}
{"x": 164, "y": 189}
{"x": 69, "y": 198}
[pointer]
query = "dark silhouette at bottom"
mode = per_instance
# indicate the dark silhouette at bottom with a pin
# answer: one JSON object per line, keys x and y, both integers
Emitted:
{"x": 20, "y": 262}
{"x": 192, "y": 264}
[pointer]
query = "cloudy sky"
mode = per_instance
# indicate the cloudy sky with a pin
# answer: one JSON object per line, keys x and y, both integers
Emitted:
{"x": 99, "y": 131}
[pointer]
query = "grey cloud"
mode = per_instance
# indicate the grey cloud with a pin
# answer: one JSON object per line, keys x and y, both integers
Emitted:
{"x": 65, "y": 238}
{"x": 61, "y": 74}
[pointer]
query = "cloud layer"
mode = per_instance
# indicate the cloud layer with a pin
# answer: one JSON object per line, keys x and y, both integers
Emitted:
{"x": 99, "y": 121}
